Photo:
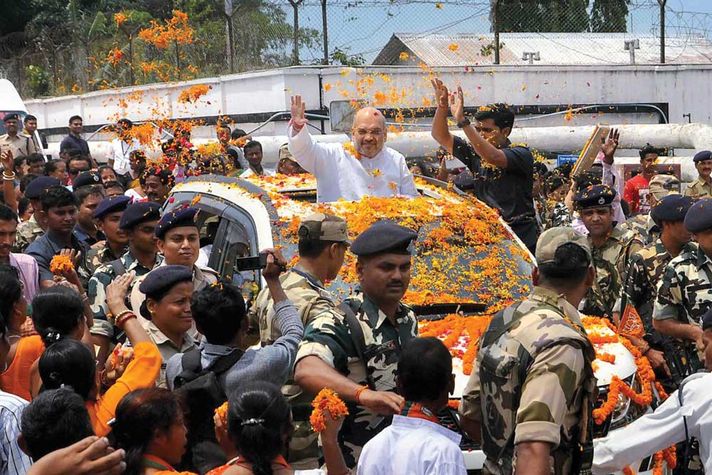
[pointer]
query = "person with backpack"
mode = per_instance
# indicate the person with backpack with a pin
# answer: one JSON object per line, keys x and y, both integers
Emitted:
{"x": 205, "y": 376}
{"x": 139, "y": 221}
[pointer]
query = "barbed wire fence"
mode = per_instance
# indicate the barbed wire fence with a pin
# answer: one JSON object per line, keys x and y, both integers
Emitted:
{"x": 356, "y": 31}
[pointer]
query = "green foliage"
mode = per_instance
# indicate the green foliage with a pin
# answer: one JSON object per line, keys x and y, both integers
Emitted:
{"x": 562, "y": 15}
{"x": 343, "y": 58}
{"x": 609, "y": 16}
{"x": 38, "y": 80}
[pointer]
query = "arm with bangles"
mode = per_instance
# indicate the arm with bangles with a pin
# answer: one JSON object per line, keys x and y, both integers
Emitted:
{"x": 8, "y": 180}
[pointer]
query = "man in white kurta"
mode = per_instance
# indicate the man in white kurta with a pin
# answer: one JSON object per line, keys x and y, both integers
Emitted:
{"x": 362, "y": 167}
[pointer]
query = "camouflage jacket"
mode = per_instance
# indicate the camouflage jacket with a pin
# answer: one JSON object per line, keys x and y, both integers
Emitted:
{"x": 685, "y": 288}
{"x": 611, "y": 262}
{"x": 305, "y": 291}
{"x": 99, "y": 254}
{"x": 699, "y": 189}
{"x": 27, "y": 232}
{"x": 96, "y": 291}
{"x": 557, "y": 215}
{"x": 644, "y": 228}
{"x": 533, "y": 381}
{"x": 328, "y": 337}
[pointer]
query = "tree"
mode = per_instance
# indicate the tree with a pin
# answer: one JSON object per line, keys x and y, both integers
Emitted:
{"x": 609, "y": 16}
{"x": 542, "y": 15}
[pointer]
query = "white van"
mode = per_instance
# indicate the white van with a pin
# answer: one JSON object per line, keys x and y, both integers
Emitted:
{"x": 11, "y": 103}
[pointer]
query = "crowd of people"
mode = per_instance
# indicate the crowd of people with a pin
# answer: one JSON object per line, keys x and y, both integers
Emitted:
{"x": 118, "y": 344}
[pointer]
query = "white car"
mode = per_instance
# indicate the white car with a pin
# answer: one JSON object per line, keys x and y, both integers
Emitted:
{"x": 467, "y": 260}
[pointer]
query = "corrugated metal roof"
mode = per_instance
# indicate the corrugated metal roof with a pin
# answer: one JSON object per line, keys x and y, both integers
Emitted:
{"x": 553, "y": 49}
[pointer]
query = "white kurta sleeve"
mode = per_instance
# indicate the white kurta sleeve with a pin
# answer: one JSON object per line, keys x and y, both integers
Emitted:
{"x": 305, "y": 150}
{"x": 644, "y": 437}
{"x": 407, "y": 184}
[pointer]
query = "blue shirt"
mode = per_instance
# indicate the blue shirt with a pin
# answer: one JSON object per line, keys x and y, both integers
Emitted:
{"x": 45, "y": 247}
{"x": 74, "y": 141}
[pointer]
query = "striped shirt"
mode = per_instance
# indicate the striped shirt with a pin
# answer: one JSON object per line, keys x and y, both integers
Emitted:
{"x": 13, "y": 461}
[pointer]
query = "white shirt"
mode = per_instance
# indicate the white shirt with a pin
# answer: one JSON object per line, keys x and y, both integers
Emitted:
{"x": 413, "y": 446}
{"x": 341, "y": 175}
{"x": 120, "y": 152}
{"x": 611, "y": 178}
{"x": 250, "y": 172}
{"x": 13, "y": 460}
{"x": 661, "y": 429}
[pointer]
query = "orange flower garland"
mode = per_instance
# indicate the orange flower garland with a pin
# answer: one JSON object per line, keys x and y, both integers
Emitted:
{"x": 454, "y": 328}
{"x": 61, "y": 264}
{"x": 326, "y": 400}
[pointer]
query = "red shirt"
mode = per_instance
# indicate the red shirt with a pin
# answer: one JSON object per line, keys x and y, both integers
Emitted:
{"x": 635, "y": 189}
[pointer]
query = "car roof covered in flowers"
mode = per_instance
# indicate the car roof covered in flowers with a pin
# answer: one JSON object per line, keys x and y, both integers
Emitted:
{"x": 467, "y": 258}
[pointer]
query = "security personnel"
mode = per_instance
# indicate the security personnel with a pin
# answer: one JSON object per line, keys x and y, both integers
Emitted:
{"x": 86, "y": 179}
{"x": 611, "y": 248}
{"x": 685, "y": 289}
{"x": 108, "y": 216}
{"x": 139, "y": 222}
{"x": 355, "y": 351}
{"x": 702, "y": 187}
{"x": 532, "y": 391}
{"x": 323, "y": 240}
{"x": 686, "y": 414}
{"x": 179, "y": 242}
{"x": 33, "y": 228}
{"x": 644, "y": 272}
{"x": 643, "y": 224}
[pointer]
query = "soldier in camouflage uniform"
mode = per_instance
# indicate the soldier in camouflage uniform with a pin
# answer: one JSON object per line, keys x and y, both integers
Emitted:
{"x": 30, "y": 230}
{"x": 644, "y": 272}
{"x": 139, "y": 222}
{"x": 323, "y": 240}
{"x": 611, "y": 248}
{"x": 355, "y": 350}
{"x": 533, "y": 382}
{"x": 702, "y": 187}
{"x": 685, "y": 288}
{"x": 108, "y": 216}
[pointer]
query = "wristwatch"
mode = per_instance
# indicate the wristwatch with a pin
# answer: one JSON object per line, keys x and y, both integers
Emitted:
{"x": 463, "y": 123}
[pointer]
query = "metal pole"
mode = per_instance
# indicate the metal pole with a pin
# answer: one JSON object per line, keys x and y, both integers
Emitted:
{"x": 662, "y": 30}
{"x": 295, "y": 51}
{"x": 229, "y": 44}
{"x": 495, "y": 24}
{"x": 325, "y": 30}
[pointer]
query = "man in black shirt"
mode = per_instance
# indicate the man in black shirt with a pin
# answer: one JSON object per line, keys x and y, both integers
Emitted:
{"x": 503, "y": 175}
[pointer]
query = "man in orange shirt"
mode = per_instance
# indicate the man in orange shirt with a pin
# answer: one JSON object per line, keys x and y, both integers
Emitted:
{"x": 637, "y": 188}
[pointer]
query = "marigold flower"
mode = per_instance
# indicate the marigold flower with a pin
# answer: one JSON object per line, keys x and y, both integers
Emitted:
{"x": 221, "y": 413}
{"x": 61, "y": 264}
{"x": 453, "y": 47}
{"x": 349, "y": 147}
{"x": 193, "y": 93}
{"x": 326, "y": 400}
{"x": 403, "y": 56}
{"x": 120, "y": 18}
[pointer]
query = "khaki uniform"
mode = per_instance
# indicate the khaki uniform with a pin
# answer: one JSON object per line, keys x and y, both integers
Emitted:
{"x": 27, "y": 232}
{"x": 533, "y": 381}
{"x": 699, "y": 189}
{"x": 328, "y": 337}
{"x": 96, "y": 291}
{"x": 21, "y": 145}
{"x": 611, "y": 262}
{"x": 304, "y": 290}
{"x": 166, "y": 347}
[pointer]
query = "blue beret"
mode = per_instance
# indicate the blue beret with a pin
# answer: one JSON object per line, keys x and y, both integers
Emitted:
{"x": 707, "y": 319}
{"x": 594, "y": 196}
{"x": 671, "y": 208}
{"x": 699, "y": 216}
{"x": 702, "y": 156}
{"x": 174, "y": 219}
{"x": 38, "y": 185}
{"x": 111, "y": 205}
{"x": 384, "y": 237}
{"x": 86, "y": 179}
{"x": 138, "y": 213}
{"x": 162, "y": 278}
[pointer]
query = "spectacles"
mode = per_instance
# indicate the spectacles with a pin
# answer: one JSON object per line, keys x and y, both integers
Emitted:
{"x": 369, "y": 131}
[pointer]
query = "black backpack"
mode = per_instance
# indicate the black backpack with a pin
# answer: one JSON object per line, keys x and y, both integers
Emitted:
{"x": 202, "y": 393}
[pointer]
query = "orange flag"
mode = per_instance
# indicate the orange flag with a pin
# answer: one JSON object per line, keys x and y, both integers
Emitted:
{"x": 631, "y": 324}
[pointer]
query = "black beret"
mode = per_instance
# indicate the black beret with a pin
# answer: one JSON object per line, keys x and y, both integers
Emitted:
{"x": 174, "y": 219}
{"x": 11, "y": 117}
{"x": 594, "y": 196}
{"x": 86, "y": 179}
{"x": 671, "y": 208}
{"x": 35, "y": 188}
{"x": 384, "y": 237}
{"x": 699, "y": 216}
{"x": 702, "y": 156}
{"x": 162, "y": 278}
{"x": 111, "y": 205}
{"x": 138, "y": 213}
